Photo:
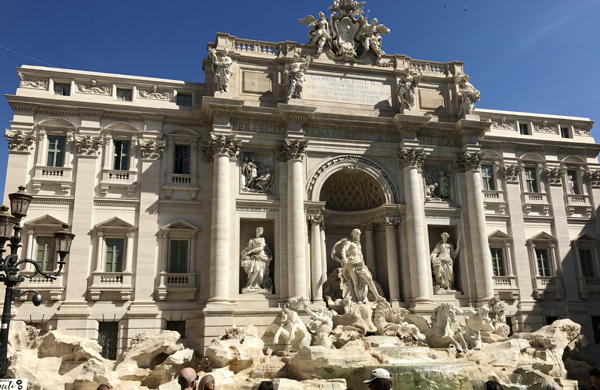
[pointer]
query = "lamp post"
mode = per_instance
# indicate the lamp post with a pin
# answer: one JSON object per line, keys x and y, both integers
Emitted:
{"x": 10, "y": 230}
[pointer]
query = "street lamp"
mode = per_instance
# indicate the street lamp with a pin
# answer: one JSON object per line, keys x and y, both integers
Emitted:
{"x": 10, "y": 230}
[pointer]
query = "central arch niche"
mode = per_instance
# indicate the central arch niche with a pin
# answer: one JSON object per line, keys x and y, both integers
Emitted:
{"x": 351, "y": 190}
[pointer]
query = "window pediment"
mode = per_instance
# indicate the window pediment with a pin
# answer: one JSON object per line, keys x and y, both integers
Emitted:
{"x": 45, "y": 221}
{"x": 499, "y": 235}
{"x": 543, "y": 236}
{"x": 115, "y": 224}
{"x": 180, "y": 225}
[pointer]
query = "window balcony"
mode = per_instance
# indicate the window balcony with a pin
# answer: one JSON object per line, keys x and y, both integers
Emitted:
{"x": 548, "y": 287}
{"x": 506, "y": 287}
{"x": 494, "y": 201}
{"x": 535, "y": 202}
{"x": 180, "y": 182}
{"x": 178, "y": 285}
{"x": 579, "y": 205}
{"x": 112, "y": 178}
{"x": 54, "y": 288}
{"x": 116, "y": 284}
{"x": 588, "y": 285}
{"x": 61, "y": 176}
{"x": 177, "y": 179}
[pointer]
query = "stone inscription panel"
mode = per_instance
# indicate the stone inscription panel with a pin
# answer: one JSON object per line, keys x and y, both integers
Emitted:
{"x": 256, "y": 82}
{"x": 431, "y": 99}
{"x": 347, "y": 89}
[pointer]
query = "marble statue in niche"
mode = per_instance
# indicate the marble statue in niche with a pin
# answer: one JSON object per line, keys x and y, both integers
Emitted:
{"x": 469, "y": 95}
{"x": 221, "y": 68}
{"x": 437, "y": 185}
{"x": 357, "y": 281}
{"x": 255, "y": 260}
{"x": 293, "y": 77}
{"x": 407, "y": 90}
{"x": 442, "y": 264}
{"x": 256, "y": 176}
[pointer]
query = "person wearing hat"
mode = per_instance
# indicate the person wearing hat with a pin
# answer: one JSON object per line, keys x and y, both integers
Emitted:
{"x": 381, "y": 379}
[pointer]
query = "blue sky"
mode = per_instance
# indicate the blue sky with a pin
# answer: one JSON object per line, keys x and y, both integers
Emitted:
{"x": 524, "y": 55}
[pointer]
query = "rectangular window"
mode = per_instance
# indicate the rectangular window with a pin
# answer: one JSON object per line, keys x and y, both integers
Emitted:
{"x": 114, "y": 254}
{"x": 182, "y": 159}
{"x": 543, "y": 262}
{"x": 586, "y": 258}
{"x": 56, "y": 151}
{"x": 124, "y": 94}
{"x": 574, "y": 187}
{"x": 184, "y": 99}
{"x": 177, "y": 326}
{"x": 108, "y": 334}
{"x": 531, "y": 179}
{"x": 62, "y": 89}
{"x": 524, "y": 128}
{"x": 564, "y": 132}
{"x": 499, "y": 266}
{"x": 121, "y": 155}
{"x": 487, "y": 175}
{"x": 46, "y": 252}
{"x": 178, "y": 256}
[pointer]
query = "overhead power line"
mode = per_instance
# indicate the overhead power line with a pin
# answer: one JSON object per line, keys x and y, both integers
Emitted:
{"x": 24, "y": 55}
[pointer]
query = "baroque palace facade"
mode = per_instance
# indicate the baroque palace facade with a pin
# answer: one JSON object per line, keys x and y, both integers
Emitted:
{"x": 165, "y": 183}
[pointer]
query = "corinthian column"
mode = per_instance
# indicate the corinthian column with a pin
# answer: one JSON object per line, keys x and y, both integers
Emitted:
{"x": 421, "y": 289}
{"x": 316, "y": 267}
{"x": 220, "y": 149}
{"x": 470, "y": 164}
{"x": 391, "y": 248}
{"x": 292, "y": 151}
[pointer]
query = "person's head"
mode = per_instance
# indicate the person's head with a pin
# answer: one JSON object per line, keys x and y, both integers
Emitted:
{"x": 207, "y": 383}
{"x": 381, "y": 379}
{"x": 187, "y": 378}
{"x": 493, "y": 385}
{"x": 445, "y": 236}
{"x": 355, "y": 235}
{"x": 103, "y": 387}
{"x": 321, "y": 16}
{"x": 259, "y": 231}
{"x": 595, "y": 376}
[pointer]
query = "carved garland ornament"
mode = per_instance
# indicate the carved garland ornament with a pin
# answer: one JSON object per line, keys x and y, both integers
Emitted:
{"x": 512, "y": 173}
{"x": 554, "y": 175}
{"x": 468, "y": 161}
{"x": 356, "y": 160}
{"x": 32, "y": 83}
{"x": 18, "y": 140}
{"x": 152, "y": 149}
{"x": 292, "y": 150}
{"x": 88, "y": 145}
{"x": 92, "y": 87}
{"x": 411, "y": 158}
{"x": 220, "y": 145}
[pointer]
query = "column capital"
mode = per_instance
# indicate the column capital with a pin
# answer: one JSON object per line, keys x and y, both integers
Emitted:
{"x": 367, "y": 227}
{"x": 411, "y": 158}
{"x": 593, "y": 177}
{"x": 512, "y": 172}
{"x": 221, "y": 145}
{"x": 554, "y": 175}
{"x": 315, "y": 218}
{"x": 87, "y": 145}
{"x": 19, "y": 140}
{"x": 392, "y": 221}
{"x": 291, "y": 149}
{"x": 151, "y": 150}
{"x": 468, "y": 161}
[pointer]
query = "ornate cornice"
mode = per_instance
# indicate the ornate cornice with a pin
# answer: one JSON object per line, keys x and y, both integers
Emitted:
{"x": 468, "y": 161}
{"x": 292, "y": 150}
{"x": 151, "y": 149}
{"x": 411, "y": 158}
{"x": 221, "y": 145}
{"x": 554, "y": 175}
{"x": 512, "y": 173}
{"x": 88, "y": 145}
{"x": 18, "y": 140}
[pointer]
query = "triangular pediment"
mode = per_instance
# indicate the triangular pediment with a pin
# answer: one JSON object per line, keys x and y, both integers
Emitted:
{"x": 114, "y": 223}
{"x": 499, "y": 235}
{"x": 543, "y": 236}
{"x": 180, "y": 225}
{"x": 46, "y": 220}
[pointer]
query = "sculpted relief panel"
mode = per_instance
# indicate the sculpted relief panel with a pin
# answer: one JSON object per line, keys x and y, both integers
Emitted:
{"x": 348, "y": 89}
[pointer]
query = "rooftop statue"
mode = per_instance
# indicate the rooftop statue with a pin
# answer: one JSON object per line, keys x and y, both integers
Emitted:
{"x": 347, "y": 35}
{"x": 469, "y": 95}
{"x": 293, "y": 76}
{"x": 222, "y": 69}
